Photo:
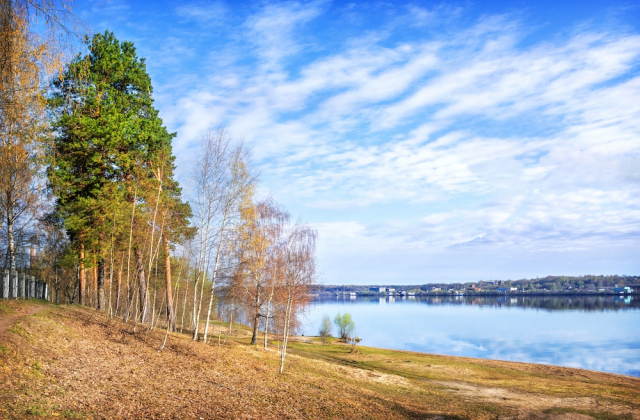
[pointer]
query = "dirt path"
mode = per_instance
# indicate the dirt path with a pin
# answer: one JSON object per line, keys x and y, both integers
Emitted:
{"x": 8, "y": 320}
{"x": 519, "y": 399}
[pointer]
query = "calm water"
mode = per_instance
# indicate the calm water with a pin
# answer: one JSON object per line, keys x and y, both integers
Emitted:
{"x": 598, "y": 333}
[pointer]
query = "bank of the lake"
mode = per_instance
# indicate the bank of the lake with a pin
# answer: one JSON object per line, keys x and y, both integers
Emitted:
{"x": 589, "y": 332}
{"x": 73, "y": 362}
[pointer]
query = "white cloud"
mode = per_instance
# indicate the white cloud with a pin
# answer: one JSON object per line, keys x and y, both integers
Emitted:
{"x": 492, "y": 144}
{"x": 272, "y": 29}
{"x": 204, "y": 13}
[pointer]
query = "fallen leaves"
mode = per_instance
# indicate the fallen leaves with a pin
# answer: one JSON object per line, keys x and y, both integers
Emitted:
{"x": 95, "y": 369}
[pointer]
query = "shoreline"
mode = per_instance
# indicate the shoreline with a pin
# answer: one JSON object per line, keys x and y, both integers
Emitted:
{"x": 301, "y": 339}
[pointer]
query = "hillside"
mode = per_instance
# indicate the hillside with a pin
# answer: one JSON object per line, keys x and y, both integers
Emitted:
{"x": 72, "y": 362}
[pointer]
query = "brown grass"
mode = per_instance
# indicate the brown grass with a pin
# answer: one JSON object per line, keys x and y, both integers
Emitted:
{"x": 71, "y": 362}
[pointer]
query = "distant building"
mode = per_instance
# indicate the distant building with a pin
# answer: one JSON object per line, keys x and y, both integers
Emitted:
{"x": 435, "y": 289}
{"x": 390, "y": 289}
{"x": 379, "y": 289}
{"x": 622, "y": 290}
{"x": 506, "y": 289}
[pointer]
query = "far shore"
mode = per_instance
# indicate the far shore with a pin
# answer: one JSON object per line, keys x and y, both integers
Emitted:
{"x": 482, "y": 293}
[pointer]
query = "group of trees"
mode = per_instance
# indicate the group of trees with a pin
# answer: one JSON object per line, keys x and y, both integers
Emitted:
{"x": 87, "y": 185}
{"x": 555, "y": 284}
{"x": 27, "y": 59}
{"x": 345, "y": 325}
{"x": 262, "y": 263}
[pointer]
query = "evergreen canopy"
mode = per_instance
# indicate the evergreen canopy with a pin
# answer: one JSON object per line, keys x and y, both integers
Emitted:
{"x": 107, "y": 131}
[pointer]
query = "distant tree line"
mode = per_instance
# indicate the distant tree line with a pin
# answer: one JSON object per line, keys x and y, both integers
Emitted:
{"x": 567, "y": 284}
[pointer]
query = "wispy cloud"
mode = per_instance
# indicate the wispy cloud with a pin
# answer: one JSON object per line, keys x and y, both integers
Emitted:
{"x": 473, "y": 136}
{"x": 209, "y": 13}
{"x": 273, "y": 28}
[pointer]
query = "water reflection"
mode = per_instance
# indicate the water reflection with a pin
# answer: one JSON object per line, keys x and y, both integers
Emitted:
{"x": 552, "y": 303}
{"x": 591, "y": 332}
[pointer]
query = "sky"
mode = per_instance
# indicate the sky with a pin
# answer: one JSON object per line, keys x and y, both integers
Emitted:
{"x": 425, "y": 141}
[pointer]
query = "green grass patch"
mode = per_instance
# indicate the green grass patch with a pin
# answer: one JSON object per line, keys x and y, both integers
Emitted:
{"x": 68, "y": 414}
{"x": 36, "y": 409}
{"x": 18, "y": 330}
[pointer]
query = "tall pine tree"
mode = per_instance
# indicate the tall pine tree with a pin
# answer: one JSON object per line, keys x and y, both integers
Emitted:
{"x": 109, "y": 141}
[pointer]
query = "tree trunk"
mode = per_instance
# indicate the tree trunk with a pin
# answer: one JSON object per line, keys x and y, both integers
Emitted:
{"x": 118, "y": 284}
{"x": 256, "y": 323}
{"x": 256, "y": 319}
{"x": 213, "y": 282}
{"x": 129, "y": 288}
{"x": 57, "y": 286}
{"x": 155, "y": 293}
{"x": 11, "y": 250}
{"x": 194, "y": 323}
{"x": 142, "y": 287}
{"x": 100, "y": 284}
{"x": 266, "y": 323}
{"x": 82, "y": 278}
{"x": 12, "y": 245}
{"x": 285, "y": 333}
{"x": 171, "y": 314}
{"x": 177, "y": 293}
{"x": 77, "y": 285}
{"x": 184, "y": 302}
{"x": 130, "y": 300}
{"x": 94, "y": 282}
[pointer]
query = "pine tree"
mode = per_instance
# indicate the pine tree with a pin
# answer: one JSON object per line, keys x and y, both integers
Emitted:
{"x": 109, "y": 143}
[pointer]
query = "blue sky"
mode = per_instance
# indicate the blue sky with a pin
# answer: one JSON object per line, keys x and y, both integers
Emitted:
{"x": 427, "y": 142}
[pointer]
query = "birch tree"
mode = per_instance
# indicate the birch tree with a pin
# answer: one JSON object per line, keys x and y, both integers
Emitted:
{"x": 236, "y": 182}
{"x": 28, "y": 55}
{"x": 221, "y": 178}
{"x": 256, "y": 240}
{"x": 299, "y": 274}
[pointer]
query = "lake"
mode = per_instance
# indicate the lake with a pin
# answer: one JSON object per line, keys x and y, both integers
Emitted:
{"x": 598, "y": 333}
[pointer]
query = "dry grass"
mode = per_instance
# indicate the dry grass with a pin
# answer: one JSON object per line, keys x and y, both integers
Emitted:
{"x": 72, "y": 362}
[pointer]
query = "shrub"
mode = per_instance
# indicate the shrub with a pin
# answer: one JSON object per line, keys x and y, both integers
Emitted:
{"x": 345, "y": 325}
{"x": 325, "y": 329}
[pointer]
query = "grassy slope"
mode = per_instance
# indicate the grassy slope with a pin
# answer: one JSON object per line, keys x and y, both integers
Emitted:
{"x": 72, "y": 362}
